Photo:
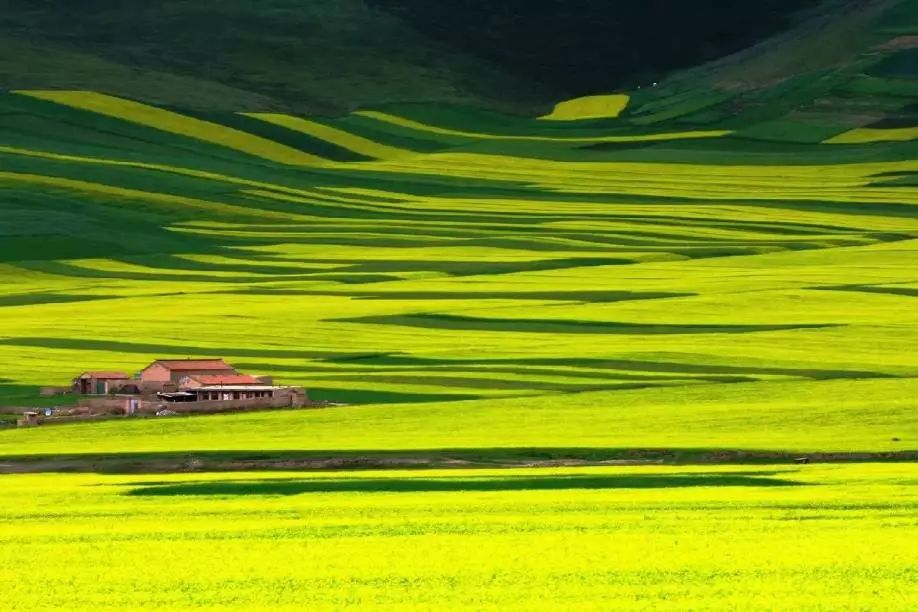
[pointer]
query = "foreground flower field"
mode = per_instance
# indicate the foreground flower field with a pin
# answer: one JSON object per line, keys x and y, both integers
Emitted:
{"x": 814, "y": 537}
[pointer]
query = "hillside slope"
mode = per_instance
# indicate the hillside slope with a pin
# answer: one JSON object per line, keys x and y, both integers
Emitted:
{"x": 333, "y": 56}
{"x": 731, "y": 242}
{"x": 321, "y": 56}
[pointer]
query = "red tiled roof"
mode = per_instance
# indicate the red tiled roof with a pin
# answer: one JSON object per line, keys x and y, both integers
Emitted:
{"x": 228, "y": 379}
{"x": 183, "y": 365}
{"x": 105, "y": 375}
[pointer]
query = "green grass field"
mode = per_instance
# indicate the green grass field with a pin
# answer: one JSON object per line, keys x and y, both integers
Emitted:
{"x": 651, "y": 538}
{"x": 715, "y": 270}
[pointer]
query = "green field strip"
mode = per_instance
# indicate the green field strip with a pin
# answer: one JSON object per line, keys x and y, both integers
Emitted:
{"x": 561, "y": 295}
{"x": 677, "y": 106}
{"x": 565, "y": 375}
{"x": 559, "y": 326}
{"x": 158, "y": 118}
{"x": 491, "y": 122}
{"x": 125, "y": 194}
{"x": 123, "y": 271}
{"x": 900, "y": 65}
{"x": 883, "y": 290}
{"x": 177, "y": 263}
{"x": 647, "y": 137}
{"x": 616, "y": 365}
{"x": 32, "y": 299}
{"x": 865, "y": 84}
{"x": 502, "y": 383}
{"x": 192, "y": 178}
{"x": 797, "y": 130}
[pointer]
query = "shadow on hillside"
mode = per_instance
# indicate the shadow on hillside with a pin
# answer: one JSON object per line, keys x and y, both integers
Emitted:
{"x": 426, "y": 485}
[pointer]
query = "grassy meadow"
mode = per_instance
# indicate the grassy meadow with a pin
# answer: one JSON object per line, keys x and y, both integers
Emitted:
{"x": 823, "y": 537}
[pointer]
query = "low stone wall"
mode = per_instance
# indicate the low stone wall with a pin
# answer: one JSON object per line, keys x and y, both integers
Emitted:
{"x": 211, "y": 406}
{"x": 98, "y": 408}
{"x": 110, "y": 405}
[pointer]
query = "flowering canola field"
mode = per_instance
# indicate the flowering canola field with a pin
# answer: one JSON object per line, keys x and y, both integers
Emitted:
{"x": 646, "y": 538}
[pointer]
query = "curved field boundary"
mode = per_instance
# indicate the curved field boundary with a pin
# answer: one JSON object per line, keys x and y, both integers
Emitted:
{"x": 178, "y": 170}
{"x": 862, "y": 135}
{"x": 423, "y": 127}
{"x": 135, "y": 194}
{"x": 168, "y": 121}
{"x": 589, "y": 107}
{"x": 341, "y": 138}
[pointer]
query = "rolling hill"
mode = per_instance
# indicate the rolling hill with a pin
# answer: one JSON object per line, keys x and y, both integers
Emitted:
{"x": 334, "y": 56}
{"x": 740, "y": 229}
{"x": 558, "y": 309}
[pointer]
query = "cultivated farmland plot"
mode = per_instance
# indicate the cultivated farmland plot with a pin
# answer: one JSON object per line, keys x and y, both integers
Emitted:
{"x": 583, "y": 316}
{"x": 752, "y": 538}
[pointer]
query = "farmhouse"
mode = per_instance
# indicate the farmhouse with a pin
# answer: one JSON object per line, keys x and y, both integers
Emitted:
{"x": 173, "y": 370}
{"x": 100, "y": 383}
{"x": 174, "y": 386}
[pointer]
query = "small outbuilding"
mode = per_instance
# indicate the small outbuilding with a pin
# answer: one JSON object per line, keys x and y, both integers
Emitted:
{"x": 100, "y": 383}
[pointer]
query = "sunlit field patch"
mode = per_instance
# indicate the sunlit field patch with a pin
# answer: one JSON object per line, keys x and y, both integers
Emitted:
{"x": 589, "y": 107}
{"x": 861, "y": 135}
{"x": 752, "y": 538}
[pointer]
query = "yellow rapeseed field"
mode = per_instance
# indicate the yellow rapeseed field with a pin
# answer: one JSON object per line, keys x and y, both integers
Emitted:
{"x": 640, "y": 538}
{"x": 589, "y": 107}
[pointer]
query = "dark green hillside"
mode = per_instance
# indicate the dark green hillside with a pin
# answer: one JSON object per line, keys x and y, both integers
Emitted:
{"x": 331, "y": 56}
{"x": 319, "y": 56}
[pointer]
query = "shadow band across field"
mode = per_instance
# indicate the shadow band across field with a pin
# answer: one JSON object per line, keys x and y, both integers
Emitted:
{"x": 417, "y": 459}
{"x": 560, "y": 326}
{"x": 430, "y": 485}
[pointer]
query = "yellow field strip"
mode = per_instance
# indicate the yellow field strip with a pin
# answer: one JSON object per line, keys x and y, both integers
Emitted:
{"x": 423, "y": 127}
{"x": 865, "y": 135}
{"x": 589, "y": 107}
{"x": 168, "y": 121}
{"x": 341, "y": 138}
